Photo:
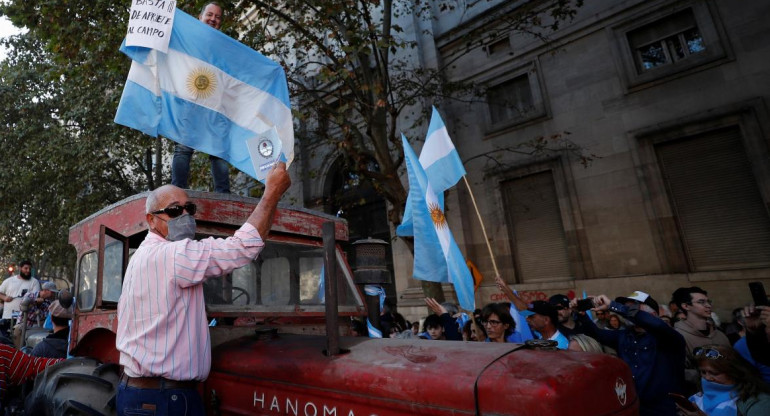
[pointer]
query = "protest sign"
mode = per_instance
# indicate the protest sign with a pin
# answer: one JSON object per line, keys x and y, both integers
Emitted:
{"x": 149, "y": 24}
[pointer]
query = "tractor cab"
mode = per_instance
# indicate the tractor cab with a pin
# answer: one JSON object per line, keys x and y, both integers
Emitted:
{"x": 281, "y": 288}
{"x": 269, "y": 355}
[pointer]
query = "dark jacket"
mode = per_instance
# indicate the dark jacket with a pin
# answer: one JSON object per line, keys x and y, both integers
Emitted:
{"x": 656, "y": 357}
{"x": 53, "y": 346}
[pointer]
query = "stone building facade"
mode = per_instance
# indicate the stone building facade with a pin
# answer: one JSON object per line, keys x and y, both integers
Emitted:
{"x": 672, "y": 99}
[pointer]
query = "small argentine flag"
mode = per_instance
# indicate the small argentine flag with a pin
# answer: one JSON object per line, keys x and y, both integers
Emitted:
{"x": 442, "y": 165}
{"x": 209, "y": 92}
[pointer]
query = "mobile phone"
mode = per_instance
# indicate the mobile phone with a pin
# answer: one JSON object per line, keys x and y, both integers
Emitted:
{"x": 23, "y": 293}
{"x": 683, "y": 402}
{"x": 758, "y": 294}
{"x": 585, "y": 304}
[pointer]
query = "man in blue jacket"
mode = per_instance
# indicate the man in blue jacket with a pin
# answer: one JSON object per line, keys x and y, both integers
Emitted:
{"x": 654, "y": 351}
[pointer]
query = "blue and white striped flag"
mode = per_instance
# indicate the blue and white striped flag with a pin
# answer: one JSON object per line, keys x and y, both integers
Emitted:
{"x": 373, "y": 332}
{"x": 442, "y": 165}
{"x": 437, "y": 258}
{"x": 209, "y": 92}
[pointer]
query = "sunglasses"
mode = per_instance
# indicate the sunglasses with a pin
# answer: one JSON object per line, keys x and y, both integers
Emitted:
{"x": 176, "y": 210}
{"x": 709, "y": 353}
{"x": 492, "y": 322}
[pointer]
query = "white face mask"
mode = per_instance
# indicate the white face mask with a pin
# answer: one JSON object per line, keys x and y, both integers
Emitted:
{"x": 181, "y": 227}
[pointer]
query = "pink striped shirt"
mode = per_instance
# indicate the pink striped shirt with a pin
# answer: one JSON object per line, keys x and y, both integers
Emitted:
{"x": 162, "y": 327}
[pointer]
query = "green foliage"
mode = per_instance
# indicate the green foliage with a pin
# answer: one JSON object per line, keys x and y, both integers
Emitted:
{"x": 351, "y": 69}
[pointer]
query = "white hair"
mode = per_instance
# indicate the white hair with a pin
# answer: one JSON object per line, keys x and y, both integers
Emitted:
{"x": 153, "y": 199}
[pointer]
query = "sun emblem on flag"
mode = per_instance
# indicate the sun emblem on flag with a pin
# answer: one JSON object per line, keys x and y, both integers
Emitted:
{"x": 437, "y": 215}
{"x": 201, "y": 83}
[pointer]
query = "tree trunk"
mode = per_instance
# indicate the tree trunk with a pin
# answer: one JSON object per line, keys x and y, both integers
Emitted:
{"x": 158, "y": 162}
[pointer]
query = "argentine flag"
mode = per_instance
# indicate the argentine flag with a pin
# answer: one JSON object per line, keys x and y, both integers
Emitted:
{"x": 209, "y": 92}
{"x": 441, "y": 163}
{"x": 437, "y": 258}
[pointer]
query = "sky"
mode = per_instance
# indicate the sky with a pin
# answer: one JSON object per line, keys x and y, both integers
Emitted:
{"x": 6, "y": 29}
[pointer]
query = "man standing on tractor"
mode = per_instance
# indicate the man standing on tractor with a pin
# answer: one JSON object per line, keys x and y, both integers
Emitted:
{"x": 212, "y": 15}
{"x": 163, "y": 336}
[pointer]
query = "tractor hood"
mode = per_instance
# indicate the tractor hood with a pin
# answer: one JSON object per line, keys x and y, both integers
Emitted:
{"x": 289, "y": 374}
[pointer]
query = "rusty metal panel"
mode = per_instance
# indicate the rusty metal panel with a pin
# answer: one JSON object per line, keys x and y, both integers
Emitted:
{"x": 127, "y": 217}
{"x": 390, "y": 376}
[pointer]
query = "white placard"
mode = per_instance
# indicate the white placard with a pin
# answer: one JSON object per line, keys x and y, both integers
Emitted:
{"x": 150, "y": 22}
{"x": 265, "y": 150}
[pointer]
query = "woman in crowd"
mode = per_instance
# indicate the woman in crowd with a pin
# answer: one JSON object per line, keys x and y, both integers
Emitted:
{"x": 470, "y": 332}
{"x": 582, "y": 342}
{"x": 498, "y": 322}
{"x": 729, "y": 384}
{"x": 614, "y": 322}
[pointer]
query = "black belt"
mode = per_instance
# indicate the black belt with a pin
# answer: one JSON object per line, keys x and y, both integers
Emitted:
{"x": 158, "y": 383}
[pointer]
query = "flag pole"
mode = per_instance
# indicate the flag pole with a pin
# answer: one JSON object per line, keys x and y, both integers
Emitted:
{"x": 483, "y": 229}
{"x": 486, "y": 239}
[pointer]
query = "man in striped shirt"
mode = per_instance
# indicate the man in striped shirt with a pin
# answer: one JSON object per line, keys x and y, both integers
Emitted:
{"x": 163, "y": 336}
{"x": 17, "y": 368}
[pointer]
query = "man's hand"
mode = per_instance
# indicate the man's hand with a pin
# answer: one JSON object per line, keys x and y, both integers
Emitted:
{"x": 601, "y": 303}
{"x": 277, "y": 180}
{"x": 500, "y": 283}
{"x": 756, "y": 316}
{"x": 435, "y": 306}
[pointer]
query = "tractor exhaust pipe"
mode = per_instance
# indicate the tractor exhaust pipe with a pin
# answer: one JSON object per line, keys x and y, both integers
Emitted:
{"x": 330, "y": 290}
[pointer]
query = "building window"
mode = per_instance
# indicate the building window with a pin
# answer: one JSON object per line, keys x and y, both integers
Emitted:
{"x": 719, "y": 210}
{"x": 666, "y": 44}
{"x": 666, "y": 41}
{"x": 518, "y": 99}
{"x": 510, "y": 100}
{"x": 538, "y": 240}
{"x": 499, "y": 46}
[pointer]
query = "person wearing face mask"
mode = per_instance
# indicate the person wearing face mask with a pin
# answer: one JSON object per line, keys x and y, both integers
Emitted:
{"x": 729, "y": 385}
{"x": 12, "y": 291}
{"x": 211, "y": 14}
{"x": 163, "y": 337}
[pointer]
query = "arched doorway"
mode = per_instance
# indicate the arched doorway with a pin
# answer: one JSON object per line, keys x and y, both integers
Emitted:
{"x": 353, "y": 197}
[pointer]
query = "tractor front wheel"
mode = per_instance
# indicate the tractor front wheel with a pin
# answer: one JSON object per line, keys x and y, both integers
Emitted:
{"x": 78, "y": 386}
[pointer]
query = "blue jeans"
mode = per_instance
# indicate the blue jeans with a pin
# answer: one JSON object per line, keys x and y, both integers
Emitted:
{"x": 180, "y": 169}
{"x": 132, "y": 401}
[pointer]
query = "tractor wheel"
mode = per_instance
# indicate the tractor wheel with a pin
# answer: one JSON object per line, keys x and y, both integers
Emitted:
{"x": 78, "y": 386}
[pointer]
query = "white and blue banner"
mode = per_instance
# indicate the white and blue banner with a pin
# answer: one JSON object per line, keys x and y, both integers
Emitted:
{"x": 209, "y": 92}
{"x": 442, "y": 165}
{"x": 437, "y": 258}
{"x": 373, "y": 331}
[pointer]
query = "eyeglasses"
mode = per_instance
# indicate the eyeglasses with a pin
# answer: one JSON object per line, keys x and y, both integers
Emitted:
{"x": 492, "y": 322}
{"x": 709, "y": 353}
{"x": 703, "y": 302}
{"x": 176, "y": 210}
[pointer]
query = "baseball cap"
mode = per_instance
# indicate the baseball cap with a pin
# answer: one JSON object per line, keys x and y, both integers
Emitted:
{"x": 559, "y": 300}
{"x": 641, "y": 297}
{"x": 59, "y": 311}
{"x": 544, "y": 308}
{"x": 49, "y": 286}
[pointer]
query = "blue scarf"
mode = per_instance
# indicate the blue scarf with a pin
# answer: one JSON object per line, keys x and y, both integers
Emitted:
{"x": 714, "y": 395}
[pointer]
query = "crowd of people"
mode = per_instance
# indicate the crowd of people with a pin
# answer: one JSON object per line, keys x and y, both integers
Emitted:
{"x": 683, "y": 359}
{"x": 28, "y": 304}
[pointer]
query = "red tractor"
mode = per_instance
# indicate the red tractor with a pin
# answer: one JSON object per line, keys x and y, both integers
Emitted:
{"x": 270, "y": 353}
